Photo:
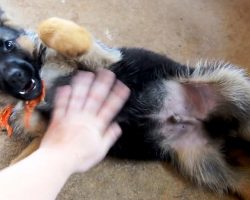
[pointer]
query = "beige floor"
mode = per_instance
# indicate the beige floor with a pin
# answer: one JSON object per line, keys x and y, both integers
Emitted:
{"x": 186, "y": 30}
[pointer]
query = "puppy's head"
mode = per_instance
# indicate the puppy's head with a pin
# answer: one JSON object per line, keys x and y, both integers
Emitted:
{"x": 19, "y": 70}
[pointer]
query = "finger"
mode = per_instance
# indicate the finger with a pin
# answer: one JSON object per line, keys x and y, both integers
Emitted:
{"x": 81, "y": 84}
{"x": 99, "y": 91}
{"x": 61, "y": 102}
{"x": 113, "y": 103}
{"x": 111, "y": 135}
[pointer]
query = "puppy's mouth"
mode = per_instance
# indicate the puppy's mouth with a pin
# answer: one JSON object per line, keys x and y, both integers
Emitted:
{"x": 29, "y": 87}
{"x": 31, "y": 90}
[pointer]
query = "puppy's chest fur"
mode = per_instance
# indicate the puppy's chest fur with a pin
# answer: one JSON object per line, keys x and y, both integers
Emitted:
{"x": 56, "y": 66}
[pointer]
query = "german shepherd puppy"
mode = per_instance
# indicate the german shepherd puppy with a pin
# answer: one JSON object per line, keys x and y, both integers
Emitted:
{"x": 187, "y": 115}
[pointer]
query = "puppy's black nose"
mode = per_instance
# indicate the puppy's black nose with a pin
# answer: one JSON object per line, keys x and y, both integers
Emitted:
{"x": 17, "y": 73}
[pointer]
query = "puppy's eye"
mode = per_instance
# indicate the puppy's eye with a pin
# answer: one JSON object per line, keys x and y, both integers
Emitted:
{"x": 9, "y": 45}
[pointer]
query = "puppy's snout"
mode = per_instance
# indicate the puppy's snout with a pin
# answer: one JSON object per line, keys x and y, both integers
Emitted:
{"x": 17, "y": 73}
{"x": 15, "y": 76}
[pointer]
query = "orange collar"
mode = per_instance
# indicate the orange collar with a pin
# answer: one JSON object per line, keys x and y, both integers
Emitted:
{"x": 4, "y": 119}
{"x": 30, "y": 106}
{"x": 28, "y": 110}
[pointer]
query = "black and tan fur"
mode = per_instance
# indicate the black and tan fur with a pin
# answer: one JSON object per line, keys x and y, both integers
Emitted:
{"x": 182, "y": 114}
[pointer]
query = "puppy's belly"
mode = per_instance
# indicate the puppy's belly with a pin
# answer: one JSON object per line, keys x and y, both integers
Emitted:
{"x": 159, "y": 119}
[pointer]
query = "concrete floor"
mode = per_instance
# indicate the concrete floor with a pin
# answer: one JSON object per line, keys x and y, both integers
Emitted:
{"x": 186, "y": 30}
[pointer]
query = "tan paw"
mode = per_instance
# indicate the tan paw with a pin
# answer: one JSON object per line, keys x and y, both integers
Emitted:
{"x": 65, "y": 37}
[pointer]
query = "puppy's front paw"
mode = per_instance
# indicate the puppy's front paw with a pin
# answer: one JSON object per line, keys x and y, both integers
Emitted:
{"x": 64, "y": 36}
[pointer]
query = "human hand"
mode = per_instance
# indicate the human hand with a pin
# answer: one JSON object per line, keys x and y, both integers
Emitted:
{"x": 81, "y": 131}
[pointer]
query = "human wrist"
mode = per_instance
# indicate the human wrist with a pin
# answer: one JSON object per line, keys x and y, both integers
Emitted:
{"x": 56, "y": 159}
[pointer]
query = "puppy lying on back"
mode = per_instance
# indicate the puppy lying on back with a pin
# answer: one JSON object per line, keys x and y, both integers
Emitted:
{"x": 177, "y": 113}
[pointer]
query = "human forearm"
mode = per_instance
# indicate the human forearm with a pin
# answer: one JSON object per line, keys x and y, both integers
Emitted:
{"x": 39, "y": 176}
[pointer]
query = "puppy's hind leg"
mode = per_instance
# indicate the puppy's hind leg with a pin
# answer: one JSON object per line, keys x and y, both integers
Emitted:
{"x": 74, "y": 41}
{"x": 197, "y": 156}
{"x": 204, "y": 166}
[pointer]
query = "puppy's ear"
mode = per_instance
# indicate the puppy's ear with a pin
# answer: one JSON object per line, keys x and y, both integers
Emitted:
{"x": 3, "y": 17}
{"x": 5, "y": 20}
